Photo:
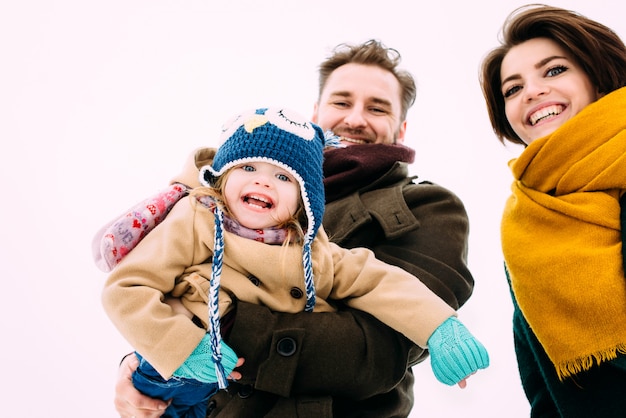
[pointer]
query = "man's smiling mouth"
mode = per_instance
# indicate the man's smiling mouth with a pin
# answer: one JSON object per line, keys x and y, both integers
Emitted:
{"x": 352, "y": 140}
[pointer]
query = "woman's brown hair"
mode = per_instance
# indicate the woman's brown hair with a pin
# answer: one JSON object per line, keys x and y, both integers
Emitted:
{"x": 596, "y": 48}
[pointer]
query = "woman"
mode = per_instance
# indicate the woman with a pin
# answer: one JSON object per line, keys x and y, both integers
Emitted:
{"x": 556, "y": 86}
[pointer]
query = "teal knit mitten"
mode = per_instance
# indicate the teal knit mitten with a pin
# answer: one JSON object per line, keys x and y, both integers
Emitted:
{"x": 455, "y": 353}
{"x": 201, "y": 366}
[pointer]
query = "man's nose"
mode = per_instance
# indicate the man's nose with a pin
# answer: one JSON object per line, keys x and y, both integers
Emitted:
{"x": 355, "y": 117}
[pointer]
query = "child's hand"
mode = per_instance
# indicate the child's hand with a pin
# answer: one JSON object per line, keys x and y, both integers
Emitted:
{"x": 455, "y": 353}
{"x": 235, "y": 375}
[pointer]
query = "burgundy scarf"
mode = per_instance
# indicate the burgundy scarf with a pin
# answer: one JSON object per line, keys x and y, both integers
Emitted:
{"x": 349, "y": 169}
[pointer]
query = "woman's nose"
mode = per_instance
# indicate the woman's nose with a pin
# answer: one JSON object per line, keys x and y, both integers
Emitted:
{"x": 535, "y": 89}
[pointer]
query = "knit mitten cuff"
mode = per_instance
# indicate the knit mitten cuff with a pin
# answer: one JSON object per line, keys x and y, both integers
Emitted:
{"x": 455, "y": 353}
{"x": 202, "y": 366}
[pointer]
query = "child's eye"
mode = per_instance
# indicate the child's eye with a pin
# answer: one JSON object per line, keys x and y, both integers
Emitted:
{"x": 283, "y": 177}
{"x": 246, "y": 167}
{"x": 554, "y": 71}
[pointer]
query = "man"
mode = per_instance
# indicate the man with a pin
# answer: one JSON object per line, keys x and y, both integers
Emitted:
{"x": 347, "y": 364}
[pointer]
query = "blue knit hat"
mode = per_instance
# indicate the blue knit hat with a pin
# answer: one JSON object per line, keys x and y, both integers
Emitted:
{"x": 282, "y": 137}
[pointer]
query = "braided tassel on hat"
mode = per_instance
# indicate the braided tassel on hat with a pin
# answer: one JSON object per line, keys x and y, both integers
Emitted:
{"x": 309, "y": 284}
{"x": 214, "y": 316}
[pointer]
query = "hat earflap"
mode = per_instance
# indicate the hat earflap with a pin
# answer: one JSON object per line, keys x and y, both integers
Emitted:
{"x": 206, "y": 177}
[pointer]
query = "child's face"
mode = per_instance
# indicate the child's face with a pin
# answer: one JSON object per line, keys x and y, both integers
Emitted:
{"x": 543, "y": 87}
{"x": 261, "y": 195}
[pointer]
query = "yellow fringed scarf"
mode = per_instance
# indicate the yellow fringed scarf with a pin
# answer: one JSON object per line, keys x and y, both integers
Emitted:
{"x": 561, "y": 236}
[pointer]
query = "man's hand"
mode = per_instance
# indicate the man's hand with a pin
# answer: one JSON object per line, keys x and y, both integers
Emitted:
{"x": 129, "y": 402}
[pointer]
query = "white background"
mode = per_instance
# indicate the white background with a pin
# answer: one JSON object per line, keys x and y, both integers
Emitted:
{"x": 101, "y": 102}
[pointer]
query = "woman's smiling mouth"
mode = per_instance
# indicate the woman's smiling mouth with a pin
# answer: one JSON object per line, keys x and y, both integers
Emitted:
{"x": 545, "y": 113}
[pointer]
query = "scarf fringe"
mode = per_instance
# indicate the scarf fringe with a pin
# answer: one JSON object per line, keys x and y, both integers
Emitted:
{"x": 570, "y": 368}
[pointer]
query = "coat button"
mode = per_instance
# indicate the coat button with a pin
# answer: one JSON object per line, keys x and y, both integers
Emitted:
{"x": 296, "y": 293}
{"x": 211, "y": 406}
{"x": 245, "y": 391}
{"x": 286, "y": 346}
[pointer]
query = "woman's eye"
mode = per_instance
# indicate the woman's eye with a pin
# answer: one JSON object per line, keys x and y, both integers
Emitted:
{"x": 554, "y": 71}
{"x": 511, "y": 91}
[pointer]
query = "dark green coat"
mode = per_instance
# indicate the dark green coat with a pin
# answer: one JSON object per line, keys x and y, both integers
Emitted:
{"x": 422, "y": 228}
